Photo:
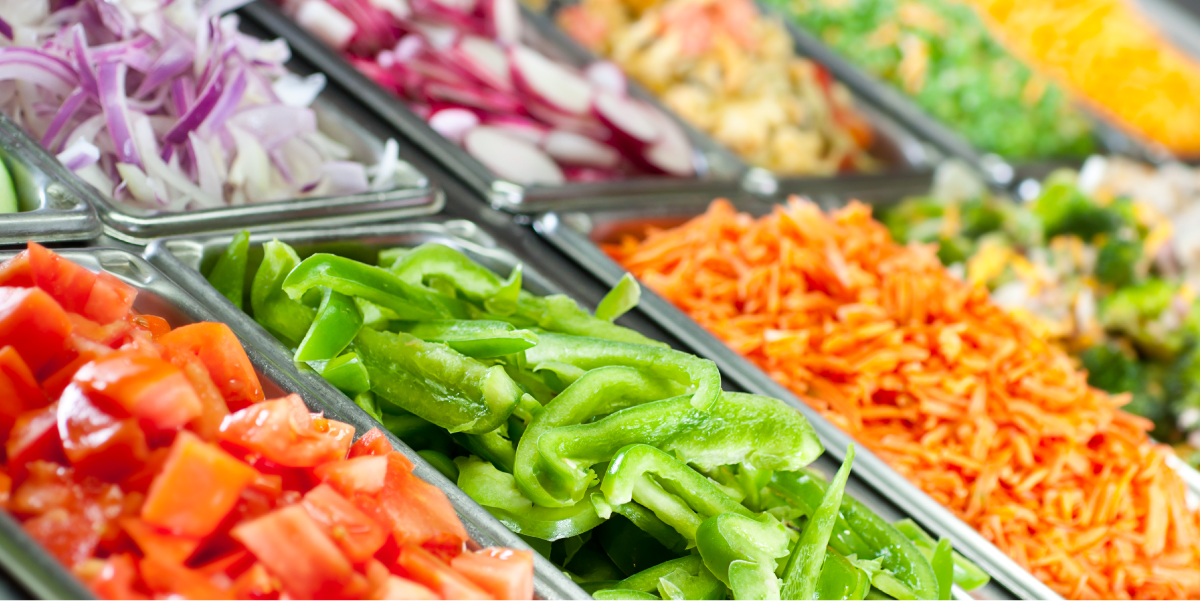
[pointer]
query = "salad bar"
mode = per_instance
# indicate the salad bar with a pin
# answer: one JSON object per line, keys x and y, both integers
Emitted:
{"x": 612, "y": 299}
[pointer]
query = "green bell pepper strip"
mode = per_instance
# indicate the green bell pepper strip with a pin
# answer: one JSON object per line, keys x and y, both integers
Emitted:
{"x": 337, "y": 323}
{"x": 630, "y": 548}
{"x": 642, "y": 518}
{"x": 347, "y": 373}
{"x": 899, "y": 555}
{"x": 683, "y": 578}
{"x": 441, "y": 463}
{"x": 474, "y": 338}
{"x": 684, "y": 499}
{"x": 943, "y": 568}
{"x": 875, "y": 594}
{"x": 491, "y": 446}
{"x": 476, "y": 282}
{"x": 497, "y": 491}
{"x": 504, "y": 301}
{"x": 616, "y": 593}
{"x": 803, "y": 571}
{"x": 700, "y": 375}
{"x": 600, "y": 390}
{"x": 436, "y": 383}
{"x": 367, "y": 402}
{"x": 966, "y": 573}
{"x": 752, "y": 431}
{"x": 287, "y": 319}
{"x": 840, "y": 579}
{"x": 374, "y": 316}
{"x": 561, "y": 314}
{"x": 569, "y": 452}
{"x": 742, "y": 552}
{"x": 623, "y": 297}
{"x": 352, "y": 278}
{"x": 228, "y": 276}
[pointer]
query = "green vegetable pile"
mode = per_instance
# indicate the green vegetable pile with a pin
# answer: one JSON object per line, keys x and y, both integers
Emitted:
{"x": 1090, "y": 275}
{"x": 940, "y": 54}
{"x": 618, "y": 458}
{"x": 8, "y": 193}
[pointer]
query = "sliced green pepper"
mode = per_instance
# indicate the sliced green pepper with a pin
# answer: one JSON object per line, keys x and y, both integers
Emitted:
{"x": 285, "y": 318}
{"x": 497, "y": 491}
{"x": 754, "y": 431}
{"x": 943, "y": 568}
{"x": 436, "y": 383}
{"x": 683, "y": 578}
{"x": 352, "y": 278}
{"x": 368, "y": 403}
{"x": 803, "y": 571}
{"x": 441, "y": 463}
{"x": 475, "y": 337}
{"x": 841, "y": 579}
{"x": 623, "y": 297}
{"x": 347, "y": 374}
{"x": 966, "y": 573}
{"x": 741, "y": 551}
{"x": 336, "y": 324}
{"x": 228, "y": 276}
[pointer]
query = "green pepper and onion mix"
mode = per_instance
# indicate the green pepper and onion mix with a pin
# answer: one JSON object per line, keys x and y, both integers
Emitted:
{"x": 941, "y": 55}
{"x": 620, "y": 459}
{"x": 1107, "y": 272}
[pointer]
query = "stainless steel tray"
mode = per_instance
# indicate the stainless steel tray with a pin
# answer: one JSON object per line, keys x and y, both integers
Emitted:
{"x": 180, "y": 257}
{"x": 52, "y": 208}
{"x": 714, "y": 163}
{"x": 576, "y": 234}
{"x": 339, "y": 117}
{"x": 39, "y": 573}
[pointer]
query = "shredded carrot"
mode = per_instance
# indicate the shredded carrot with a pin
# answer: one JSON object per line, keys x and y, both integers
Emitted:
{"x": 959, "y": 396}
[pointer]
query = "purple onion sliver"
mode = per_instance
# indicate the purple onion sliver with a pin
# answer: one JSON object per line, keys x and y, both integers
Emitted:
{"x": 174, "y": 60}
{"x": 225, "y": 105}
{"x": 111, "y": 79}
{"x": 65, "y": 113}
{"x": 55, "y": 73}
{"x": 79, "y": 155}
{"x": 5, "y": 29}
{"x": 197, "y": 113}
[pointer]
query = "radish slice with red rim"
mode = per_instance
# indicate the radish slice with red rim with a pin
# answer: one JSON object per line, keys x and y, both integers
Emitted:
{"x": 557, "y": 86}
{"x": 486, "y": 61}
{"x": 453, "y": 123}
{"x": 511, "y": 157}
{"x": 326, "y": 23}
{"x": 569, "y": 148}
{"x": 607, "y": 76}
{"x": 504, "y": 16}
{"x": 672, "y": 154}
{"x": 633, "y": 122}
{"x": 521, "y": 127}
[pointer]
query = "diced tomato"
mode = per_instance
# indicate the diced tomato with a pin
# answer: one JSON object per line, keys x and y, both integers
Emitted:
{"x": 230, "y": 565}
{"x": 34, "y": 437}
{"x": 15, "y": 272}
{"x": 139, "y": 342}
{"x": 444, "y": 546}
{"x": 212, "y": 406}
{"x": 108, "y": 335}
{"x": 295, "y": 549}
{"x": 396, "y": 587}
{"x": 68, "y": 535}
{"x": 416, "y": 510}
{"x": 96, "y": 442}
{"x": 47, "y": 486}
{"x": 84, "y": 351}
{"x": 148, "y": 388}
{"x": 110, "y": 300}
{"x": 354, "y": 532}
{"x": 6, "y": 485}
{"x": 215, "y": 345}
{"x": 115, "y": 578}
{"x": 364, "y": 474}
{"x": 141, "y": 480}
{"x": 198, "y": 486}
{"x": 421, "y": 566}
{"x": 503, "y": 573}
{"x": 154, "y": 324}
{"x": 157, "y": 542}
{"x": 371, "y": 443}
{"x": 68, "y": 283}
{"x": 254, "y": 583}
{"x": 167, "y": 577}
{"x": 284, "y": 432}
{"x": 19, "y": 391}
{"x": 32, "y": 323}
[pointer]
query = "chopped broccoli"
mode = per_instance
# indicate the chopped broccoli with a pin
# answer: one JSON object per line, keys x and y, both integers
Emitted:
{"x": 1023, "y": 226}
{"x": 1137, "y": 312}
{"x": 954, "y": 250}
{"x": 1116, "y": 263}
{"x": 981, "y": 216}
{"x": 1064, "y": 209}
{"x": 1110, "y": 369}
{"x": 915, "y": 219}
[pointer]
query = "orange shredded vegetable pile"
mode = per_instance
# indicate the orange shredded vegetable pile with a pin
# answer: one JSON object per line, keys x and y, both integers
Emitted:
{"x": 957, "y": 395}
{"x": 1107, "y": 52}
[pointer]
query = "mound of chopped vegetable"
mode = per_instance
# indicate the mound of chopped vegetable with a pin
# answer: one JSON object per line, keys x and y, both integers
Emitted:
{"x": 733, "y": 74}
{"x": 162, "y": 105}
{"x": 939, "y": 53}
{"x": 147, "y": 460}
{"x": 618, "y": 458}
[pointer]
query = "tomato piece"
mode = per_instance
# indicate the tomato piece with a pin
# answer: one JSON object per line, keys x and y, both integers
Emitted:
{"x": 198, "y": 486}
{"x": 396, "y": 587}
{"x": 115, "y": 578}
{"x": 372, "y": 443}
{"x": 68, "y": 535}
{"x": 213, "y": 410}
{"x": 294, "y": 548}
{"x": 284, "y": 432}
{"x": 6, "y": 485}
{"x": 154, "y": 324}
{"x": 169, "y": 578}
{"x": 96, "y": 442}
{"x": 157, "y": 542}
{"x": 108, "y": 335}
{"x": 503, "y": 573}
{"x": 215, "y": 345}
{"x": 254, "y": 583}
{"x": 364, "y": 474}
{"x": 148, "y": 388}
{"x": 19, "y": 391}
{"x": 34, "y": 437}
{"x": 416, "y": 510}
{"x": 420, "y": 565}
{"x": 33, "y": 324}
{"x": 110, "y": 300}
{"x": 16, "y": 272}
{"x": 140, "y": 480}
{"x": 354, "y": 532}
{"x": 68, "y": 283}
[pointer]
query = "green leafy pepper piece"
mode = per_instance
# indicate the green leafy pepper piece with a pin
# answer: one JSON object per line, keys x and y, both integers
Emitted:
{"x": 683, "y": 578}
{"x": 753, "y": 431}
{"x": 474, "y": 338}
{"x": 368, "y": 403}
{"x": 803, "y": 571}
{"x": 352, "y": 278}
{"x": 623, "y": 297}
{"x": 441, "y": 463}
{"x": 943, "y": 568}
{"x": 966, "y": 573}
{"x": 336, "y": 324}
{"x": 228, "y": 276}
{"x": 841, "y": 579}
{"x": 497, "y": 491}
{"x": 629, "y": 547}
{"x": 274, "y": 310}
{"x": 347, "y": 374}
{"x": 437, "y": 383}
{"x": 742, "y": 551}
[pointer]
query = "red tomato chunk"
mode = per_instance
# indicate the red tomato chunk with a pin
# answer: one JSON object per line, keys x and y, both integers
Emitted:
{"x": 149, "y": 462}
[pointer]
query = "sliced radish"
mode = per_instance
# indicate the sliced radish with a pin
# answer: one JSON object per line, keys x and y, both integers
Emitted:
{"x": 569, "y": 148}
{"x": 485, "y": 100}
{"x": 486, "y": 61}
{"x": 633, "y": 122}
{"x": 397, "y": 8}
{"x": 672, "y": 154}
{"x": 409, "y": 47}
{"x": 511, "y": 158}
{"x": 586, "y": 175}
{"x": 581, "y": 124}
{"x": 440, "y": 36}
{"x": 438, "y": 71}
{"x": 504, "y": 17}
{"x": 544, "y": 80}
{"x": 453, "y": 123}
{"x": 607, "y": 76}
{"x": 526, "y": 129}
{"x": 326, "y": 22}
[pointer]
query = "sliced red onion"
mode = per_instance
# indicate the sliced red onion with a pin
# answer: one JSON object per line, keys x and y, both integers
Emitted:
{"x": 65, "y": 113}
{"x": 173, "y": 61}
{"x": 111, "y": 82}
{"x": 79, "y": 155}
{"x": 6, "y": 29}
{"x": 345, "y": 177}
{"x": 26, "y": 64}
